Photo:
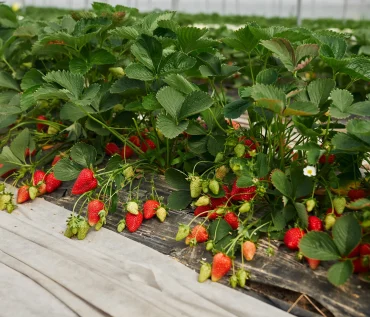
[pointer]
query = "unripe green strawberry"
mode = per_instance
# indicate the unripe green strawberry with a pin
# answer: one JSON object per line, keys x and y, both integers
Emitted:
{"x": 83, "y": 229}
{"x": 121, "y": 225}
{"x": 310, "y": 204}
{"x": 102, "y": 220}
{"x": 52, "y": 130}
{"x": 205, "y": 272}
{"x": 72, "y": 223}
{"x": 209, "y": 245}
{"x": 339, "y": 204}
{"x": 205, "y": 185}
{"x": 203, "y": 201}
{"x": 239, "y": 150}
{"x": 132, "y": 207}
{"x": 236, "y": 167}
{"x": 246, "y": 207}
{"x": 128, "y": 172}
{"x": 4, "y": 200}
{"x": 33, "y": 192}
{"x": 117, "y": 71}
{"x": 330, "y": 220}
{"x": 98, "y": 225}
{"x": 118, "y": 107}
{"x": 2, "y": 187}
{"x": 195, "y": 186}
{"x": 160, "y": 135}
{"x": 10, "y": 208}
{"x": 242, "y": 276}
{"x": 214, "y": 186}
{"x": 219, "y": 157}
{"x": 221, "y": 172}
{"x": 183, "y": 232}
{"x": 68, "y": 233}
{"x": 220, "y": 211}
{"x": 233, "y": 281}
{"x": 161, "y": 214}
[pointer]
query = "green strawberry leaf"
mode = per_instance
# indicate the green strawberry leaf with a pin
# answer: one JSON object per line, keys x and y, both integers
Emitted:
{"x": 319, "y": 90}
{"x": 66, "y": 170}
{"x": 340, "y": 272}
{"x": 169, "y": 127}
{"x": 302, "y": 214}
{"x": 358, "y": 204}
{"x": 7, "y": 81}
{"x": 176, "y": 179}
{"x": 179, "y": 200}
{"x": 318, "y": 245}
{"x": 83, "y": 154}
{"x": 236, "y": 108}
{"x": 219, "y": 229}
{"x": 346, "y": 234}
{"x": 282, "y": 183}
{"x": 20, "y": 144}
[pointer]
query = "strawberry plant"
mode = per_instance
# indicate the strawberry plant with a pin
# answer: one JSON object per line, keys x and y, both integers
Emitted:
{"x": 110, "y": 98}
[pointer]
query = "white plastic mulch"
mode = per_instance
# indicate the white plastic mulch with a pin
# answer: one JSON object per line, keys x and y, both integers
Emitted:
{"x": 43, "y": 273}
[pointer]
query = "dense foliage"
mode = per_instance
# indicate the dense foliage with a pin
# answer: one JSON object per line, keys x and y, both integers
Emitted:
{"x": 113, "y": 82}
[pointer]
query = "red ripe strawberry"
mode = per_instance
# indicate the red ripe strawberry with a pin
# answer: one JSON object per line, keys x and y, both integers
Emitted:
{"x": 245, "y": 194}
{"x": 144, "y": 133}
{"x": 355, "y": 252}
{"x": 149, "y": 208}
{"x": 331, "y": 210}
{"x": 201, "y": 211}
{"x": 147, "y": 145}
{"x": 93, "y": 208}
{"x": 329, "y": 159}
{"x": 112, "y": 148}
{"x": 232, "y": 219}
{"x": 127, "y": 152}
{"x": 199, "y": 233}
{"x": 85, "y": 182}
{"x": 358, "y": 266}
{"x": 41, "y": 189}
{"x": 56, "y": 159}
{"x": 355, "y": 194}
{"x": 215, "y": 202}
{"x": 251, "y": 145}
{"x": 220, "y": 266}
{"x": 249, "y": 250}
{"x": 40, "y": 126}
{"x": 135, "y": 140}
{"x": 52, "y": 183}
{"x": 292, "y": 238}
{"x": 133, "y": 222}
{"x": 365, "y": 249}
{"x": 212, "y": 215}
{"x": 38, "y": 176}
{"x": 313, "y": 263}
{"x": 27, "y": 152}
{"x": 23, "y": 194}
{"x": 314, "y": 224}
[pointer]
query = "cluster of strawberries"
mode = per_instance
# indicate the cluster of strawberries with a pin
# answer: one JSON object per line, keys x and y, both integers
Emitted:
{"x": 213, "y": 208}
{"x": 42, "y": 183}
{"x": 127, "y": 151}
{"x": 134, "y": 216}
{"x": 360, "y": 255}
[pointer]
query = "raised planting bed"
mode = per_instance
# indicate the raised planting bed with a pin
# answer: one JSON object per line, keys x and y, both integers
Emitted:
{"x": 100, "y": 107}
{"x": 279, "y": 279}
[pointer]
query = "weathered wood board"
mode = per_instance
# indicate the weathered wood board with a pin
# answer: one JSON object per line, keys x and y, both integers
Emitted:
{"x": 271, "y": 276}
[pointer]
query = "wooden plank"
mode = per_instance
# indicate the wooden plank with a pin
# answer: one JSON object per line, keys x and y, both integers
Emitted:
{"x": 280, "y": 270}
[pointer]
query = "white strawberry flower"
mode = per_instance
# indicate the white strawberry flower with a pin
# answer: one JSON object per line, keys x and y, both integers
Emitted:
{"x": 309, "y": 171}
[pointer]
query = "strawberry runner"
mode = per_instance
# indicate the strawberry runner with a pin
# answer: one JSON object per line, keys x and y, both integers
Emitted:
{"x": 105, "y": 274}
